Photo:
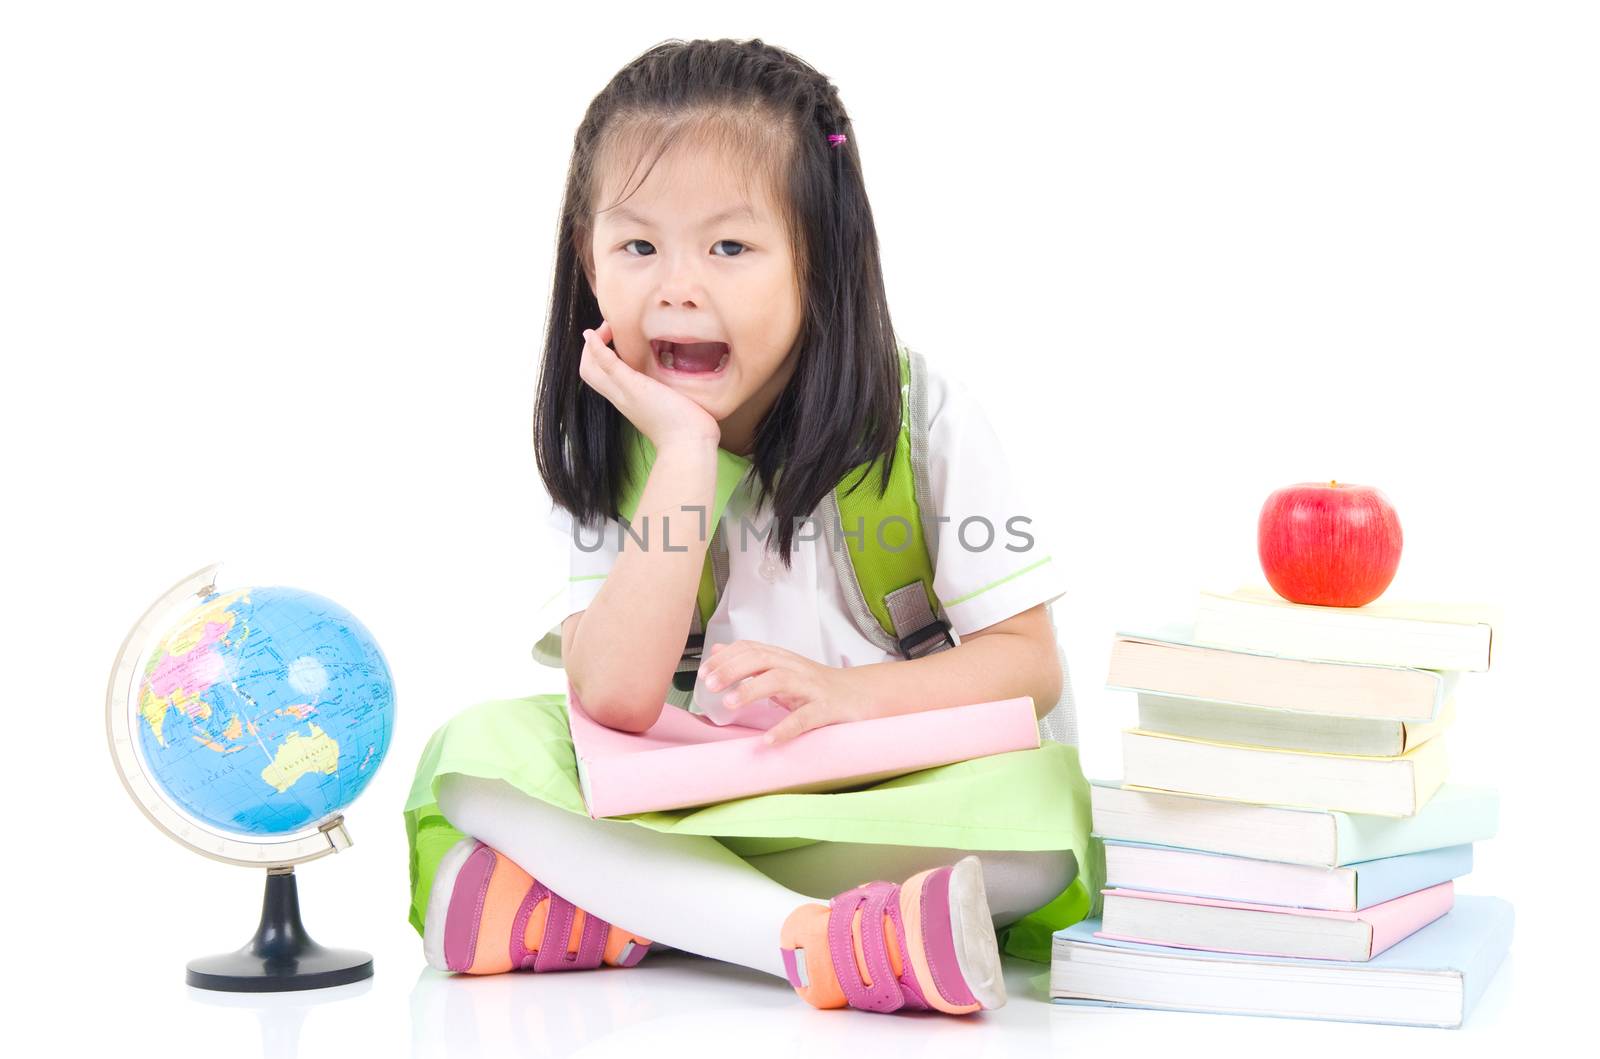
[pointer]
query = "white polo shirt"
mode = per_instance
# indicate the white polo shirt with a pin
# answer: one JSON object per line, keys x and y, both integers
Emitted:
{"x": 993, "y": 559}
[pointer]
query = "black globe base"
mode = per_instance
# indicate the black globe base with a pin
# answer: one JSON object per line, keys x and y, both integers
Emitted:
{"x": 282, "y": 956}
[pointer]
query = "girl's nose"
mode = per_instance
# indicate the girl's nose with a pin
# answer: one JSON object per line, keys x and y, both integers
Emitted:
{"x": 680, "y": 281}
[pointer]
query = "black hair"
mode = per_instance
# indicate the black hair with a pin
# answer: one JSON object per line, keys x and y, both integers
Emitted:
{"x": 841, "y": 407}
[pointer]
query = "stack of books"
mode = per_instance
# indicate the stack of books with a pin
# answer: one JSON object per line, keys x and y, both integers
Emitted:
{"x": 1284, "y": 841}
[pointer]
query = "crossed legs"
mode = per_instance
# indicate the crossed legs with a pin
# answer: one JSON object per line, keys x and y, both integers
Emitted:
{"x": 691, "y": 893}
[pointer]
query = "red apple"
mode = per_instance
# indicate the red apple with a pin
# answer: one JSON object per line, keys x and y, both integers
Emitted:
{"x": 1329, "y": 544}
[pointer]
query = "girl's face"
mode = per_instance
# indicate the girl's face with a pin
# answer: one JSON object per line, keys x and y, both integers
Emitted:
{"x": 696, "y": 275}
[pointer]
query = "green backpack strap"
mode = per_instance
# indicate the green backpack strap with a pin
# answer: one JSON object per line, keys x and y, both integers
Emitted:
{"x": 889, "y": 558}
{"x": 889, "y": 588}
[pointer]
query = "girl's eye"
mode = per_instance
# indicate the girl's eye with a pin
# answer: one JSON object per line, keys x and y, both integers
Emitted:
{"x": 738, "y": 248}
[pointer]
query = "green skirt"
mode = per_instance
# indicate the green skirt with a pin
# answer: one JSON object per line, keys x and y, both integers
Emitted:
{"x": 1030, "y": 800}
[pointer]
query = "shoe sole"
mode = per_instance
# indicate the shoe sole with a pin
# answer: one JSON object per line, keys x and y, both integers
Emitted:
{"x": 444, "y": 884}
{"x": 972, "y": 930}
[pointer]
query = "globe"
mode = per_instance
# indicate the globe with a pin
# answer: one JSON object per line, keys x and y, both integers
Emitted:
{"x": 243, "y": 723}
{"x": 263, "y": 711}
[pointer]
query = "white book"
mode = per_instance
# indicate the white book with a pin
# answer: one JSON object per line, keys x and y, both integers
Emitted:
{"x": 1223, "y": 722}
{"x": 1394, "y": 633}
{"x": 1170, "y": 661}
{"x": 1384, "y": 786}
{"x": 1433, "y": 978}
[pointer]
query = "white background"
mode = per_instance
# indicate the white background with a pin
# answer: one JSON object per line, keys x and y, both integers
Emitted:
{"x": 272, "y": 283}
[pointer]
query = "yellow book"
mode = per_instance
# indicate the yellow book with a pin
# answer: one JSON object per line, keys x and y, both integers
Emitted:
{"x": 1377, "y": 786}
{"x": 1223, "y": 722}
{"x": 1419, "y": 635}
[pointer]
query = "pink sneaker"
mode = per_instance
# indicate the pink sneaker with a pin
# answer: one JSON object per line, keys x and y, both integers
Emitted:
{"x": 927, "y": 943}
{"x": 486, "y": 915}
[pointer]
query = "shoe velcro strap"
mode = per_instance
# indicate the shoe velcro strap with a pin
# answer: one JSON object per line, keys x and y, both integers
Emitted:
{"x": 521, "y": 957}
{"x": 591, "y": 946}
{"x": 552, "y": 955}
{"x": 908, "y": 975}
{"x": 871, "y": 899}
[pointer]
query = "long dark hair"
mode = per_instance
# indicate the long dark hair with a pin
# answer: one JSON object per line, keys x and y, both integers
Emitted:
{"x": 841, "y": 408}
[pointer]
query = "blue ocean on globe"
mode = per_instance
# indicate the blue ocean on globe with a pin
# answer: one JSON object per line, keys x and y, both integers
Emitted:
{"x": 264, "y": 711}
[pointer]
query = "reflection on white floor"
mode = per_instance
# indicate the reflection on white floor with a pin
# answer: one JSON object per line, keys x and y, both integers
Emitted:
{"x": 676, "y": 1004}
{"x": 673, "y": 999}
{"x": 281, "y": 1016}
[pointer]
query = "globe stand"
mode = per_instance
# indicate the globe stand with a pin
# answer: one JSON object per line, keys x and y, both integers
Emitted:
{"x": 281, "y": 956}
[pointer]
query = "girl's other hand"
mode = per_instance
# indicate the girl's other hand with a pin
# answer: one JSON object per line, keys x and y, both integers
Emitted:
{"x": 659, "y": 412}
{"x": 814, "y": 694}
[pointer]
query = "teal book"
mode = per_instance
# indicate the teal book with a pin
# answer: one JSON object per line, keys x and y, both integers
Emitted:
{"x": 1456, "y": 815}
{"x": 1435, "y": 977}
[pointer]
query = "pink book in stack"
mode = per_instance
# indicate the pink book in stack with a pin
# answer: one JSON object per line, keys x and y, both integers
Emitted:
{"x": 1269, "y": 930}
{"x": 684, "y": 760}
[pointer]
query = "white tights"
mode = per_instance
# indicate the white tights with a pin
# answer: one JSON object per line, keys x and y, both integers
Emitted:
{"x": 692, "y": 893}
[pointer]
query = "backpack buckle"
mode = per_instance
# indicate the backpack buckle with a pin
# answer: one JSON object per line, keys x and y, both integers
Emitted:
{"x": 684, "y": 678}
{"x": 926, "y": 640}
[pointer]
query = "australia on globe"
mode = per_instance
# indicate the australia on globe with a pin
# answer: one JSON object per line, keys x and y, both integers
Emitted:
{"x": 264, "y": 711}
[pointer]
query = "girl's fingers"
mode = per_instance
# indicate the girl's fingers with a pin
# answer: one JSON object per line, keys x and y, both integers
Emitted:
{"x": 595, "y": 347}
{"x": 715, "y": 671}
{"x": 598, "y": 367}
{"x": 797, "y": 723}
{"x": 619, "y": 373}
{"x": 600, "y": 337}
{"x": 740, "y": 659}
{"x": 594, "y": 375}
{"x": 767, "y": 684}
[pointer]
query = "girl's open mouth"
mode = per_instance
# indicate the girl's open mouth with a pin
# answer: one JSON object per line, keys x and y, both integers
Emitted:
{"x": 690, "y": 358}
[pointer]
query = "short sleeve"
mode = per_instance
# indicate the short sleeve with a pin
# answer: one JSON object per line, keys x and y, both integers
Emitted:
{"x": 592, "y": 552}
{"x": 993, "y": 558}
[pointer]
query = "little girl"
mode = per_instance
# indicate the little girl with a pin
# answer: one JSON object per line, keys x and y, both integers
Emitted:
{"x": 719, "y": 355}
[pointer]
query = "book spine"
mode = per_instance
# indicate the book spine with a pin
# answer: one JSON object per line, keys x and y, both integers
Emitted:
{"x": 1431, "y": 765}
{"x": 1478, "y": 971}
{"x": 1452, "y": 817}
{"x": 1384, "y": 880}
{"x": 1414, "y": 733}
{"x": 1396, "y": 920}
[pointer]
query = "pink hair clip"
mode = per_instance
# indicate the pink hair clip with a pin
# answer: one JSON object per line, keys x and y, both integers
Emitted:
{"x": 835, "y": 139}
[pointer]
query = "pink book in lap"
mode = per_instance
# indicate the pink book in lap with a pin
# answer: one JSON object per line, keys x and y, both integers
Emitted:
{"x": 684, "y": 760}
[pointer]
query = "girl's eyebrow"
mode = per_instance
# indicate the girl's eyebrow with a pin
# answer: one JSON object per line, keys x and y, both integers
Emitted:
{"x": 622, "y": 213}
